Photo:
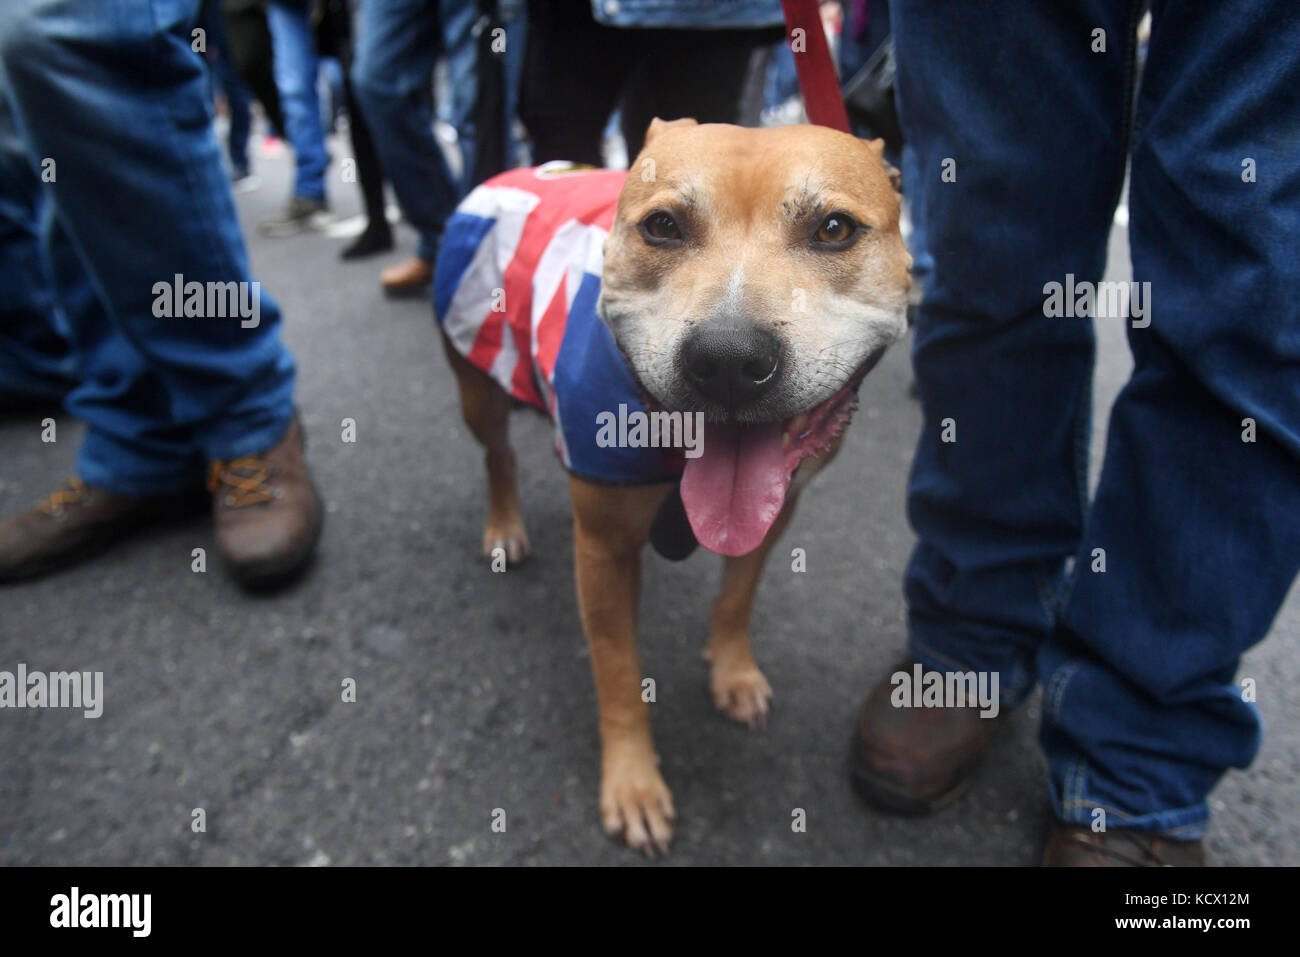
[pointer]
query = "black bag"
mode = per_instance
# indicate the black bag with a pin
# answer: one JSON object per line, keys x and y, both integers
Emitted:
{"x": 869, "y": 98}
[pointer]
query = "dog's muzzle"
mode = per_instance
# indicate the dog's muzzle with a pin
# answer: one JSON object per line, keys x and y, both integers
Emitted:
{"x": 731, "y": 363}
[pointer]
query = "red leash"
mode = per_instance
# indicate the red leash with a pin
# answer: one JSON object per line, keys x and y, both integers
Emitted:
{"x": 812, "y": 61}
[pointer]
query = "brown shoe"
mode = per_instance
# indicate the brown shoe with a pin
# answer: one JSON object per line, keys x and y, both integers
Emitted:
{"x": 410, "y": 278}
{"x": 1074, "y": 846}
{"x": 915, "y": 760}
{"x": 77, "y": 522}
{"x": 268, "y": 514}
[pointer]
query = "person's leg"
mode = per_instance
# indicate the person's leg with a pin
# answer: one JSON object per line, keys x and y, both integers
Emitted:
{"x": 922, "y": 263}
{"x": 296, "y": 67}
{"x": 377, "y": 236}
{"x": 1198, "y": 507}
{"x": 489, "y": 107}
{"x": 516, "y": 25}
{"x": 331, "y": 93}
{"x": 1019, "y": 164}
{"x": 154, "y": 184}
{"x": 565, "y": 110}
{"x": 241, "y": 116}
{"x": 250, "y": 51}
{"x": 150, "y": 209}
{"x": 238, "y": 99}
{"x": 1019, "y": 161}
{"x": 35, "y": 359}
{"x": 460, "y": 47}
{"x": 705, "y": 83}
{"x": 785, "y": 83}
{"x": 397, "y": 44}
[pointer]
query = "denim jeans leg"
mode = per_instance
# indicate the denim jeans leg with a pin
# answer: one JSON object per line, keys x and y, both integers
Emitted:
{"x": 1198, "y": 507}
{"x": 516, "y": 44}
{"x": 461, "y": 46}
{"x": 922, "y": 263}
{"x": 150, "y": 203}
{"x": 397, "y": 44}
{"x": 241, "y": 117}
{"x": 131, "y": 445}
{"x": 1017, "y": 131}
{"x": 296, "y": 68}
{"x": 35, "y": 358}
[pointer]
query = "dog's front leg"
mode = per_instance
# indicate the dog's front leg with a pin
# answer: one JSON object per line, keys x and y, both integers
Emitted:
{"x": 611, "y": 526}
{"x": 739, "y": 689}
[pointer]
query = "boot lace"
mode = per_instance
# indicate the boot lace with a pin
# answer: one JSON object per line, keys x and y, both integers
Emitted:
{"x": 243, "y": 481}
{"x": 72, "y": 492}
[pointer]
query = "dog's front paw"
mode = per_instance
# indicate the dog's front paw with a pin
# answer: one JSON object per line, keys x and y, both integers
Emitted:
{"x": 505, "y": 538}
{"x": 636, "y": 804}
{"x": 740, "y": 691}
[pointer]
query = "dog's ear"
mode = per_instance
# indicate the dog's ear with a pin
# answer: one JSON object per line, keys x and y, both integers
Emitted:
{"x": 895, "y": 177}
{"x": 657, "y": 126}
{"x": 877, "y": 146}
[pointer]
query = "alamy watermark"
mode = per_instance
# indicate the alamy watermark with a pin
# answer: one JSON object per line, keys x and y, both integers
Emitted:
{"x": 638, "y": 429}
{"x": 1098, "y": 300}
{"x": 920, "y": 688}
{"x": 179, "y": 299}
{"x": 131, "y": 912}
{"x": 56, "y": 689}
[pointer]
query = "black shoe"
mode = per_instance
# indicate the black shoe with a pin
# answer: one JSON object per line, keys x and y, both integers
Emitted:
{"x": 376, "y": 239}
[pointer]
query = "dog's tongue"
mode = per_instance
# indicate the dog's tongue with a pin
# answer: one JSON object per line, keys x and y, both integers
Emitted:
{"x": 734, "y": 490}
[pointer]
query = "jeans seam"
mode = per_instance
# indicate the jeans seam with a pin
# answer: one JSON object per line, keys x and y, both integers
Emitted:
{"x": 1046, "y": 593}
{"x": 1078, "y": 803}
{"x": 1056, "y": 688}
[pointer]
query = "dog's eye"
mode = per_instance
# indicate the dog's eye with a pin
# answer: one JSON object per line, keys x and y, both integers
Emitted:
{"x": 836, "y": 229}
{"x": 660, "y": 226}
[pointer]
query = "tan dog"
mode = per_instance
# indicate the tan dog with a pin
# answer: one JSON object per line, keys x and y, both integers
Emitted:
{"x": 754, "y": 277}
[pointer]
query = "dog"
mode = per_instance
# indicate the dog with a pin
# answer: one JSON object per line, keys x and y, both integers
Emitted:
{"x": 745, "y": 280}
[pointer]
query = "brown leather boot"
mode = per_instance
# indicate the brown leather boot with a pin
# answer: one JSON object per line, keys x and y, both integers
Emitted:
{"x": 915, "y": 760}
{"x": 1075, "y": 846}
{"x": 410, "y": 278}
{"x": 268, "y": 514}
{"x": 76, "y": 522}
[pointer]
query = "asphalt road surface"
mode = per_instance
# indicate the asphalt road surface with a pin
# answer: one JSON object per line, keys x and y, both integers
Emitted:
{"x": 474, "y": 690}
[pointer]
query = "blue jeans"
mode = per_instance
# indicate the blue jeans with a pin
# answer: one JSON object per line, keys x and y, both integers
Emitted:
{"x": 780, "y": 81}
{"x": 293, "y": 52}
{"x": 1200, "y": 529}
{"x": 461, "y": 50}
{"x": 689, "y": 14}
{"x": 140, "y": 194}
{"x": 397, "y": 45}
{"x": 35, "y": 358}
{"x": 921, "y": 261}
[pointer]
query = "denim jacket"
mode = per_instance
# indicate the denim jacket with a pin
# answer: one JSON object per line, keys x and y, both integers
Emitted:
{"x": 689, "y": 14}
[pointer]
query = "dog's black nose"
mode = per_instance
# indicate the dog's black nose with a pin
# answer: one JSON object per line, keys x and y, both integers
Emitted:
{"x": 731, "y": 362}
